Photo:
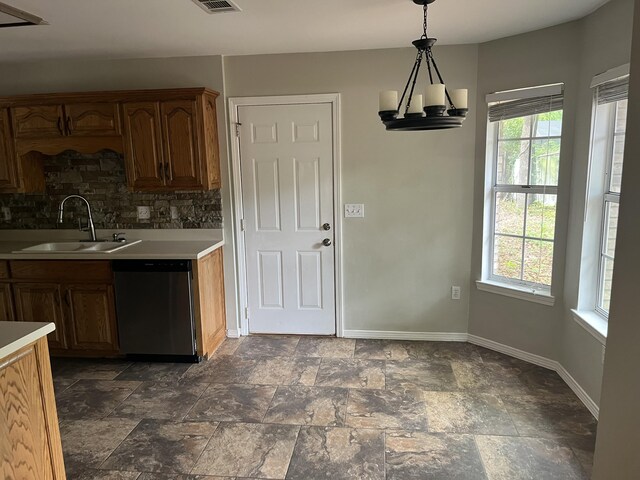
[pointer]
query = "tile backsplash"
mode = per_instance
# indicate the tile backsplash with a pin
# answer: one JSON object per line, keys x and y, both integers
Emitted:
{"x": 100, "y": 178}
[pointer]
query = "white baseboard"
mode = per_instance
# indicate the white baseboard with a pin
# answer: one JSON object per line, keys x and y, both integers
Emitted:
{"x": 543, "y": 362}
{"x": 513, "y": 352}
{"x": 233, "y": 333}
{"x": 579, "y": 391}
{"x": 421, "y": 336}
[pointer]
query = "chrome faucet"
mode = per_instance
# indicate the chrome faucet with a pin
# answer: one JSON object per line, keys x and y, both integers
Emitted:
{"x": 90, "y": 227}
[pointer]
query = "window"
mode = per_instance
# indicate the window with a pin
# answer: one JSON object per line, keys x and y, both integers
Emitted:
{"x": 523, "y": 158}
{"x": 611, "y": 121}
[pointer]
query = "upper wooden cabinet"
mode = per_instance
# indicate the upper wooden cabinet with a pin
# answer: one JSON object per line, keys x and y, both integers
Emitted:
{"x": 8, "y": 161}
{"x": 172, "y": 144}
{"x": 169, "y": 137}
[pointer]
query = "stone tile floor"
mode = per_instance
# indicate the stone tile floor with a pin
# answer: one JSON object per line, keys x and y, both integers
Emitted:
{"x": 323, "y": 408}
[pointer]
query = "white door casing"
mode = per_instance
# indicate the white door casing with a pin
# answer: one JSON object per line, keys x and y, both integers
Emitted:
{"x": 286, "y": 163}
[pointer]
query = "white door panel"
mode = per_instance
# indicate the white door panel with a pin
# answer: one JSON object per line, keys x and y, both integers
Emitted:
{"x": 287, "y": 178}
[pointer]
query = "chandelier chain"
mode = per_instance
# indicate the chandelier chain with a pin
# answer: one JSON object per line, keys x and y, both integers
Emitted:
{"x": 425, "y": 23}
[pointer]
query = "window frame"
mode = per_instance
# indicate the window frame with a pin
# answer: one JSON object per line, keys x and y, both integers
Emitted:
{"x": 492, "y": 157}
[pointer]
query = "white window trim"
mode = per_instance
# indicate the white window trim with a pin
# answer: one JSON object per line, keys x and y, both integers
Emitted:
{"x": 489, "y": 282}
{"x": 513, "y": 291}
{"x": 593, "y": 323}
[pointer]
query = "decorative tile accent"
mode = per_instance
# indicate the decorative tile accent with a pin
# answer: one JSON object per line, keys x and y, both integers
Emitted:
{"x": 308, "y": 406}
{"x": 517, "y": 458}
{"x": 101, "y": 179}
{"x": 338, "y": 453}
{"x": 248, "y": 450}
{"x": 425, "y": 455}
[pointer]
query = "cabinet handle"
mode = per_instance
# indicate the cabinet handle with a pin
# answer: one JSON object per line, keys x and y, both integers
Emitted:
{"x": 60, "y": 126}
{"x": 167, "y": 171}
{"x": 69, "y": 125}
{"x": 67, "y": 298}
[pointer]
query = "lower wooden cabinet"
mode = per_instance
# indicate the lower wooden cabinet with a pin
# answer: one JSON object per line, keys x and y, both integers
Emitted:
{"x": 91, "y": 318}
{"x": 6, "y": 303}
{"x": 42, "y": 302}
{"x": 84, "y": 313}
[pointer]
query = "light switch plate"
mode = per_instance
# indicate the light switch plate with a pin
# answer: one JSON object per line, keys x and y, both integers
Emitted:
{"x": 144, "y": 213}
{"x": 455, "y": 293}
{"x": 353, "y": 210}
{"x": 174, "y": 213}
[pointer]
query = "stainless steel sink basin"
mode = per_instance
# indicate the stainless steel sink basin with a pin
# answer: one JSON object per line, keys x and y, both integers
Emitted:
{"x": 77, "y": 247}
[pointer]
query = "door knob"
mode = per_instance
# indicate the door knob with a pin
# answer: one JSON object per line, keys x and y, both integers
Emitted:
{"x": 326, "y": 242}
{"x": 326, "y": 226}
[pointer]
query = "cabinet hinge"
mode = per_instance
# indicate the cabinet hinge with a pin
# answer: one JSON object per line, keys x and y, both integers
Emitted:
{"x": 242, "y": 225}
{"x": 246, "y": 312}
{"x": 238, "y": 125}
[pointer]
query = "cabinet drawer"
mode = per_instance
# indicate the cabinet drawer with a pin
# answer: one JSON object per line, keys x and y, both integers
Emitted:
{"x": 61, "y": 270}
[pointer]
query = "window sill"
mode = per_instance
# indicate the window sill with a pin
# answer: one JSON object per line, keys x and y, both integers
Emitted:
{"x": 515, "y": 292}
{"x": 593, "y": 323}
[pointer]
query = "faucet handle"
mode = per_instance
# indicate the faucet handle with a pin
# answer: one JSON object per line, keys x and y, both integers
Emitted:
{"x": 117, "y": 238}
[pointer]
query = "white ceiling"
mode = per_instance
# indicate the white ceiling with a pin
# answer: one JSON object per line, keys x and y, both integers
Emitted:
{"x": 162, "y": 28}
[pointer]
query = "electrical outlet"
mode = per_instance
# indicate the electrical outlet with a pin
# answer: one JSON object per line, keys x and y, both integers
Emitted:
{"x": 455, "y": 293}
{"x": 174, "y": 213}
{"x": 354, "y": 210}
{"x": 6, "y": 214}
{"x": 144, "y": 213}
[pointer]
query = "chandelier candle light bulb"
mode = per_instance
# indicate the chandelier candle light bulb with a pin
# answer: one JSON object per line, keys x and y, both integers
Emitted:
{"x": 388, "y": 101}
{"x": 415, "y": 107}
{"x": 460, "y": 98}
{"x": 435, "y": 95}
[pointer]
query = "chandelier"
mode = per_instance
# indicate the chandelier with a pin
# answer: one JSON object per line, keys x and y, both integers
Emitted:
{"x": 428, "y": 112}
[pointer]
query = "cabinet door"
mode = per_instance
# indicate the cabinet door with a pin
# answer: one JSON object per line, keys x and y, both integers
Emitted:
{"x": 212, "y": 152}
{"x": 8, "y": 160}
{"x": 6, "y": 303}
{"x": 92, "y": 119}
{"x": 91, "y": 318}
{"x": 180, "y": 141}
{"x": 143, "y": 146}
{"x": 38, "y": 121}
{"x": 41, "y": 302}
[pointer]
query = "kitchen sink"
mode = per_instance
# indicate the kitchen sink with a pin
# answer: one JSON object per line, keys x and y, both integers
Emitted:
{"x": 77, "y": 247}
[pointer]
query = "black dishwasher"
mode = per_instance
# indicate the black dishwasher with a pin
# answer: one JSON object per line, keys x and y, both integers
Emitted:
{"x": 154, "y": 304}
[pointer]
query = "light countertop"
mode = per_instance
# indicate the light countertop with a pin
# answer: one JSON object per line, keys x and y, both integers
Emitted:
{"x": 145, "y": 250}
{"x": 16, "y": 335}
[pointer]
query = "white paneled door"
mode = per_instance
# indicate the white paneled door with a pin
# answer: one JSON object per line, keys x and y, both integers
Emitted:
{"x": 286, "y": 156}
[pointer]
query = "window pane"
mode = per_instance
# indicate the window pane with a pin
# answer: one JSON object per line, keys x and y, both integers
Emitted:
{"x": 513, "y": 162}
{"x": 515, "y": 128}
{"x": 541, "y": 216}
{"x": 548, "y": 124}
{"x": 538, "y": 261}
{"x": 621, "y": 116}
{"x": 510, "y": 213}
{"x": 616, "y": 163}
{"x": 507, "y": 259}
{"x": 605, "y": 283}
{"x": 545, "y": 161}
{"x": 611, "y": 228}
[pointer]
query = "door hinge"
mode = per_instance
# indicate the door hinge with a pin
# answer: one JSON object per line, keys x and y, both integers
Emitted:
{"x": 238, "y": 125}
{"x": 242, "y": 225}
{"x": 246, "y": 312}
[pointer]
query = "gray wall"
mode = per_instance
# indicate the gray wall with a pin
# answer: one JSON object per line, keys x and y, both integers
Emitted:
{"x": 571, "y": 53}
{"x": 619, "y": 429}
{"x": 415, "y": 241}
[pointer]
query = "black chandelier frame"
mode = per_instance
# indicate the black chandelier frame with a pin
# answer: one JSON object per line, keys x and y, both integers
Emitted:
{"x": 432, "y": 117}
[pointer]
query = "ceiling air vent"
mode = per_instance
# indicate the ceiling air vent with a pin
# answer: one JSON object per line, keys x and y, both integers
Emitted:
{"x": 217, "y": 6}
{"x": 14, "y": 17}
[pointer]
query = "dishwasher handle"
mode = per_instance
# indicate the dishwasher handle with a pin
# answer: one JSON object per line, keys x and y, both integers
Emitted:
{"x": 152, "y": 266}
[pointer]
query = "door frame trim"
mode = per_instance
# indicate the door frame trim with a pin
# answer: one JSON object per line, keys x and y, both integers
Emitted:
{"x": 236, "y": 185}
